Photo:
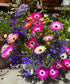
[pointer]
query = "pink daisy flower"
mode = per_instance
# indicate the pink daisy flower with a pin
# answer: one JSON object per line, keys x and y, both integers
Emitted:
{"x": 67, "y": 49}
{"x": 37, "y": 28}
{"x": 7, "y": 51}
{"x": 56, "y": 26}
{"x": 48, "y": 38}
{"x": 53, "y": 73}
{"x": 66, "y": 63}
{"x": 58, "y": 65}
{"x": 37, "y": 22}
{"x": 36, "y": 15}
{"x": 32, "y": 43}
{"x": 42, "y": 72}
{"x": 12, "y": 37}
{"x": 4, "y": 47}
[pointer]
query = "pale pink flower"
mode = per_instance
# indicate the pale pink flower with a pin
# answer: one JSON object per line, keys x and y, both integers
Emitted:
{"x": 12, "y": 37}
{"x": 56, "y": 26}
{"x": 48, "y": 38}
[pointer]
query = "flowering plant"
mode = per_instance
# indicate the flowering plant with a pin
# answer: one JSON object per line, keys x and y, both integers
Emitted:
{"x": 37, "y": 42}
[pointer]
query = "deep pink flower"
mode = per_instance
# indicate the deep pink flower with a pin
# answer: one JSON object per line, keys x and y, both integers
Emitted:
{"x": 37, "y": 22}
{"x": 58, "y": 65}
{"x": 67, "y": 49}
{"x": 66, "y": 63}
{"x": 56, "y": 26}
{"x": 37, "y": 28}
{"x": 12, "y": 37}
{"x": 32, "y": 43}
{"x": 4, "y": 47}
{"x": 48, "y": 38}
{"x": 53, "y": 73}
{"x": 7, "y": 51}
{"x": 36, "y": 15}
{"x": 42, "y": 72}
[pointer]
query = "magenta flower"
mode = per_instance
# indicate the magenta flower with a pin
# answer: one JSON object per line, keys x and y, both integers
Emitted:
{"x": 56, "y": 26}
{"x": 66, "y": 63}
{"x": 12, "y": 37}
{"x": 48, "y": 38}
{"x": 32, "y": 43}
{"x": 37, "y": 28}
{"x": 58, "y": 65}
{"x": 67, "y": 49}
{"x": 53, "y": 73}
{"x": 36, "y": 15}
{"x": 37, "y": 22}
{"x": 4, "y": 47}
{"x": 7, "y": 51}
{"x": 42, "y": 72}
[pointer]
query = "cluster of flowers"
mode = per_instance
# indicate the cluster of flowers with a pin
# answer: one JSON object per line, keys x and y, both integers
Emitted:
{"x": 38, "y": 43}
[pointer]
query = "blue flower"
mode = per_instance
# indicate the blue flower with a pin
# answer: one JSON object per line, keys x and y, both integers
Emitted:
{"x": 21, "y": 71}
{"x": 16, "y": 15}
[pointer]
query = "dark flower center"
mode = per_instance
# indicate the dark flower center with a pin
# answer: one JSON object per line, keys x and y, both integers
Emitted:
{"x": 52, "y": 71}
{"x": 56, "y": 26}
{"x": 10, "y": 52}
{"x": 37, "y": 30}
{"x": 42, "y": 73}
{"x": 67, "y": 64}
{"x": 32, "y": 43}
{"x": 48, "y": 38}
{"x": 63, "y": 56}
{"x": 36, "y": 16}
{"x": 13, "y": 38}
{"x": 40, "y": 50}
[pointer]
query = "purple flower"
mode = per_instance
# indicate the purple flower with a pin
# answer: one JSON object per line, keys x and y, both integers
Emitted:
{"x": 23, "y": 8}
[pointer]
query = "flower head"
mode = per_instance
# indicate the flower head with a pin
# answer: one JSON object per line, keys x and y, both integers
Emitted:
{"x": 36, "y": 15}
{"x": 67, "y": 49}
{"x": 48, "y": 38}
{"x": 37, "y": 28}
{"x": 66, "y": 63}
{"x": 37, "y": 22}
{"x": 27, "y": 24}
{"x": 40, "y": 49}
{"x": 42, "y": 72}
{"x": 63, "y": 56}
{"x": 4, "y": 47}
{"x": 7, "y": 51}
{"x": 32, "y": 43}
{"x": 12, "y": 37}
{"x": 56, "y": 26}
{"x": 53, "y": 73}
{"x": 58, "y": 65}
{"x": 23, "y": 8}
